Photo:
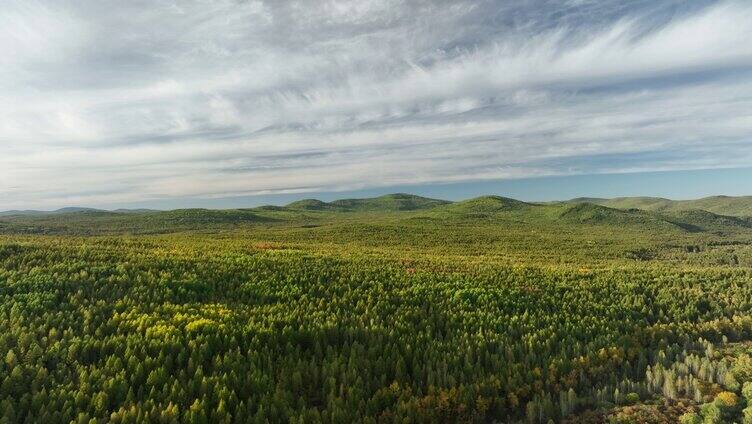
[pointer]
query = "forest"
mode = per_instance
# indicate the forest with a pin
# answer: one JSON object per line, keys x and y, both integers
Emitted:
{"x": 384, "y": 310}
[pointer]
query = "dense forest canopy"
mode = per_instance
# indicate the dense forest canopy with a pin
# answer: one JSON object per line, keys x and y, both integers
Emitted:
{"x": 394, "y": 309}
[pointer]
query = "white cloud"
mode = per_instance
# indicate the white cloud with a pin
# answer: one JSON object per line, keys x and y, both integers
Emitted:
{"x": 110, "y": 102}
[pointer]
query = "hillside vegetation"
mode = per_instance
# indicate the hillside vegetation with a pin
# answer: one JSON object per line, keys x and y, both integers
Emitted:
{"x": 392, "y": 309}
{"x": 487, "y": 204}
{"x": 722, "y": 205}
{"x": 389, "y": 202}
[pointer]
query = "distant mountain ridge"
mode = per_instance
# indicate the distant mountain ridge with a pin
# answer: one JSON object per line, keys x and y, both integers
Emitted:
{"x": 488, "y": 204}
{"x": 622, "y": 214}
{"x": 31, "y": 212}
{"x": 721, "y": 205}
{"x": 389, "y": 202}
{"x": 718, "y": 205}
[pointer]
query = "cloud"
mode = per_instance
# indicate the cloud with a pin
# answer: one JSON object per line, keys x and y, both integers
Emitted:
{"x": 110, "y": 102}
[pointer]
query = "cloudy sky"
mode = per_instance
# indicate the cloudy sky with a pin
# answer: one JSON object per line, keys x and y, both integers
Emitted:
{"x": 111, "y": 102}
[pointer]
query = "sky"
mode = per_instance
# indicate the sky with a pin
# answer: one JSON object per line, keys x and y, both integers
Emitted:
{"x": 228, "y": 103}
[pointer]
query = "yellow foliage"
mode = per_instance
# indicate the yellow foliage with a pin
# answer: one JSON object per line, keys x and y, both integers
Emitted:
{"x": 201, "y": 324}
{"x": 161, "y": 331}
{"x": 727, "y": 399}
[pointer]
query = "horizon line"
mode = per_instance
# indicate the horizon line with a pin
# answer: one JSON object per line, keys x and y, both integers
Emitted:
{"x": 673, "y": 185}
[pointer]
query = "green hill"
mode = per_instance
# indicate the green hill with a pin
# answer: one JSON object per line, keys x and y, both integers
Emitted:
{"x": 61, "y": 211}
{"x": 386, "y": 203}
{"x": 486, "y": 205}
{"x": 636, "y": 214}
{"x": 16, "y": 212}
{"x": 588, "y": 213}
{"x": 644, "y": 203}
{"x": 721, "y": 205}
{"x": 389, "y": 202}
{"x": 595, "y": 200}
{"x": 652, "y": 212}
{"x": 105, "y": 222}
{"x": 724, "y": 205}
{"x": 194, "y": 217}
{"x": 310, "y": 205}
{"x": 692, "y": 220}
{"x": 707, "y": 220}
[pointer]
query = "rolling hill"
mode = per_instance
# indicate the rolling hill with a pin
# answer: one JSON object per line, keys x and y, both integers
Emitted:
{"x": 487, "y": 204}
{"x": 622, "y": 214}
{"x": 30, "y": 212}
{"x": 588, "y": 213}
{"x": 386, "y": 203}
{"x": 722, "y": 205}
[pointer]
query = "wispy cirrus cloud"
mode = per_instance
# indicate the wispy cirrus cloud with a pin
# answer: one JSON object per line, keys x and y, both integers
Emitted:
{"x": 111, "y": 102}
